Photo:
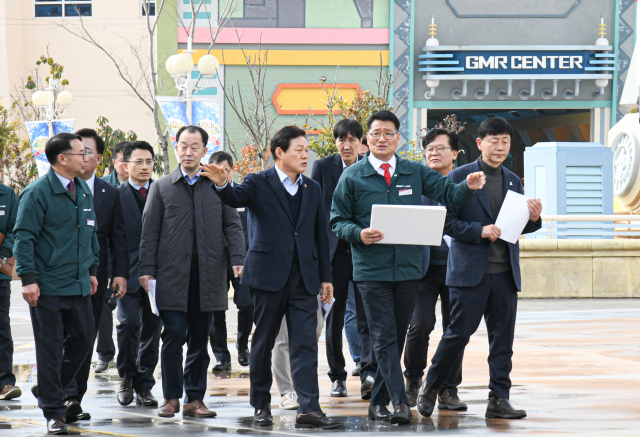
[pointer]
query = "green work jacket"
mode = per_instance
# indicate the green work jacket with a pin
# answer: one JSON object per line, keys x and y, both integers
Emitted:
{"x": 112, "y": 178}
{"x": 360, "y": 187}
{"x": 8, "y": 212}
{"x": 56, "y": 243}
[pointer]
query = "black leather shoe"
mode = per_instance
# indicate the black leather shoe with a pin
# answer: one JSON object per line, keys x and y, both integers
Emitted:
{"x": 244, "y": 358}
{"x": 316, "y": 419}
{"x": 502, "y": 409}
{"x": 339, "y": 389}
{"x": 73, "y": 410}
{"x": 222, "y": 366}
{"x": 401, "y": 415}
{"x": 412, "y": 387}
{"x": 367, "y": 387}
{"x": 449, "y": 400}
{"x": 84, "y": 416}
{"x": 426, "y": 399}
{"x": 379, "y": 412}
{"x": 34, "y": 390}
{"x": 146, "y": 399}
{"x": 357, "y": 369}
{"x": 125, "y": 393}
{"x": 102, "y": 366}
{"x": 57, "y": 426}
{"x": 263, "y": 417}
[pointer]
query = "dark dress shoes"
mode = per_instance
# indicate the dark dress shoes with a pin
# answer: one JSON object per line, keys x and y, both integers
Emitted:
{"x": 125, "y": 393}
{"x": 197, "y": 409}
{"x": 316, "y": 419}
{"x": 84, "y": 416}
{"x": 449, "y": 400}
{"x": 502, "y": 409}
{"x": 426, "y": 399}
{"x": 73, "y": 410}
{"x": 412, "y": 387}
{"x": 379, "y": 412}
{"x": 34, "y": 390}
{"x": 57, "y": 427}
{"x": 102, "y": 366}
{"x": 367, "y": 387}
{"x": 263, "y": 417}
{"x": 221, "y": 366}
{"x": 356, "y": 370}
{"x": 146, "y": 399}
{"x": 401, "y": 415}
{"x": 339, "y": 389}
{"x": 169, "y": 408}
{"x": 244, "y": 357}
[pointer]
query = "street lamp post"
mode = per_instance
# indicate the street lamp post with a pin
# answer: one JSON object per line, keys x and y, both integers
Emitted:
{"x": 179, "y": 67}
{"x": 45, "y": 103}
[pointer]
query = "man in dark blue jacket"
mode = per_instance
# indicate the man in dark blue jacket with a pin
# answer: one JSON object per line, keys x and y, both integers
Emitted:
{"x": 441, "y": 148}
{"x": 483, "y": 275}
{"x": 287, "y": 265}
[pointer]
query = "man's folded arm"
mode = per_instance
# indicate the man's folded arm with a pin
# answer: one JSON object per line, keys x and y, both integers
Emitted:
{"x": 469, "y": 232}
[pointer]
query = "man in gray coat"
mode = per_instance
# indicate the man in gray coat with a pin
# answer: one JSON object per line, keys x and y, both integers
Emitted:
{"x": 185, "y": 229}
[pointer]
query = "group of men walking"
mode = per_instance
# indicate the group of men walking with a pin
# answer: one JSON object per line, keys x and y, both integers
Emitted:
{"x": 289, "y": 244}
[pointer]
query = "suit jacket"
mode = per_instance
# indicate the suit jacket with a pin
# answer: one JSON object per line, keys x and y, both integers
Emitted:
{"x": 112, "y": 178}
{"x": 112, "y": 235}
{"x": 133, "y": 224}
{"x": 274, "y": 235}
{"x": 469, "y": 252}
{"x": 327, "y": 172}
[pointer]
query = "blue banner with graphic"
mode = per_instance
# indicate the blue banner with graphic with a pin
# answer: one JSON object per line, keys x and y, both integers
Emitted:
{"x": 206, "y": 114}
{"x": 174, "y": 113}
{"x": 38, "y": 132}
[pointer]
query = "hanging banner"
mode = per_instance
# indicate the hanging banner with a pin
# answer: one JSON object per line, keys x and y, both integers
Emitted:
{"x": 39, "y": 135}
{"x": 206, "y": 114}
{"x": 174, "y": 113}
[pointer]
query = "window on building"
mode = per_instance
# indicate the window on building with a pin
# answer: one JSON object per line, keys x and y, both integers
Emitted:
{"x": 148, "y": 5}
{"x": 62, "y": 8}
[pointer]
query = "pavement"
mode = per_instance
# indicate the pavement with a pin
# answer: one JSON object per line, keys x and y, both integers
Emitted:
{"x": 576, "y": 370}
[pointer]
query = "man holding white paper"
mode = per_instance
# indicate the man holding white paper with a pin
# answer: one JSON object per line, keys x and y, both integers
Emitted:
{"x": 387, "y": 274}
{"x": 483, "y": 274}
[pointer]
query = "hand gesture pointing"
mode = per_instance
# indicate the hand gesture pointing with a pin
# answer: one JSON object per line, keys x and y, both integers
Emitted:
{"x": 214, "y": 172}
{"x": 475, "y": 181}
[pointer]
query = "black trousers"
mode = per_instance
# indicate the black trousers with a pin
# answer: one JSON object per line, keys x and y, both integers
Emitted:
{"x": 6, "y": 342}
{"x": 368, "y": 361}
{"x": 191, "y": 327}
{"x": 423, "y": 321}
{"x": 495, "y": 298}
{"x": 218, "y": 336}
{"x": 59, "y": 357}
{"x": 78, "y": 386}
{"x": 301, "y": 309}
{"x": 138, "y": 340}
{"x": 389, "y": 306}
{"x": 106, "y": 347}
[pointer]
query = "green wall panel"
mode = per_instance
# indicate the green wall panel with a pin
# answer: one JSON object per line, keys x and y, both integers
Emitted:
{"x": 331, "y": 14}
{"x": 381, "y": 14}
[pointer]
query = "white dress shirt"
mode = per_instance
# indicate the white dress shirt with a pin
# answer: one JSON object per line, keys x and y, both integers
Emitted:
{"x": 376, "y": 163}
{"x": 136, "y": 186}
{"x": 64, "y": 181}
{"x": 91, "y": 182}
{"x": 292, "y": 188}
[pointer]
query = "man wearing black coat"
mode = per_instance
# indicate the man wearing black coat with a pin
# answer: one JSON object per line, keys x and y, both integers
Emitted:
{"x": 327, "y": 171}
{"x": 111, "y": 237}
{"x": 287, "y": 265}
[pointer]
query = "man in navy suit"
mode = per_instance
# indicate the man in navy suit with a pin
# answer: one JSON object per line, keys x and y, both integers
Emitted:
{"x": 327, "y": 171}
{"x": 111, "y": 237}
{"x": 483, "y": 275}
{"x": 138, "y": 328}
{"x": 287, "y": 265}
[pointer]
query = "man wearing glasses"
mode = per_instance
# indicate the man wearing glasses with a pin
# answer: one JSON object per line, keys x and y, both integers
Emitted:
{"x": 56, "y": 249}
{"x": 387, "y": 275}
{"x": 138, "y": 329}
{"x": 441, "y": 149}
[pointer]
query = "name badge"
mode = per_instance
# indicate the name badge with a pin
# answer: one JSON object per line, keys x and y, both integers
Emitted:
{"x": 407, "y": 192}
{"x": 240, "y": 209}
{"x": 87, "y": 210}
{"x": 91, "y": 222}
{"x": 1, "y": 211}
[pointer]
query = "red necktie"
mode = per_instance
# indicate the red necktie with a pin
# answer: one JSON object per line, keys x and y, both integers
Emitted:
{"x": 70, "y": 186}
{"x": 143, "y": 191}
{"x": 387, "y": 175}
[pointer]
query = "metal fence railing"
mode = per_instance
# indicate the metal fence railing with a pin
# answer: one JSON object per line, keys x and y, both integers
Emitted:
{"x": 588, "y": 227}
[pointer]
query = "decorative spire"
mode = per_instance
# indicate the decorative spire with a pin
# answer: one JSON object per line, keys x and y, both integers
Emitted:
{"x": 432, "y": 26}
{"x": 602, "y": 27}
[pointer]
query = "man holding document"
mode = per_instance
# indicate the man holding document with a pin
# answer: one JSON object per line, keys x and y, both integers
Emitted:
{"x": 388, "y": 275}
{"x": 484, "y": 271}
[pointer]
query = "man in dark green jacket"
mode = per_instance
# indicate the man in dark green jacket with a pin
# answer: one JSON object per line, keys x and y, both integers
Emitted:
{"x": 387, "y": 275}
{"x": 8, "y": 211}
{"x": 56, "y": 250}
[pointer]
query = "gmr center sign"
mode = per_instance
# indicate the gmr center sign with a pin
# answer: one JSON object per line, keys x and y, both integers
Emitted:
{"x": 557, "y": 62}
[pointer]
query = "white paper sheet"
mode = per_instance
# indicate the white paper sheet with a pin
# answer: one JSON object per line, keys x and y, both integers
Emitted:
{"x": 327, "y": 307}
{"x": 152, "y": 297}
{"x": 513, "y": 216}
{"x": 416, "y": 225}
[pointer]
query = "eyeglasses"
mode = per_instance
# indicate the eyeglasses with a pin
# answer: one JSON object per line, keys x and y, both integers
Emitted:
{"x": 439, "y": 149}
{"x": 139, "y": 162}
{"x": 387, "y": 135}
{"x": 89, "y": 152}
{"x": 84, "y": 153}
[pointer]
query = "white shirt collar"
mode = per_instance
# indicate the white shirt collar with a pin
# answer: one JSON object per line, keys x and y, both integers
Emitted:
{"x": 64, "y": 181}
{"x": 136, "y": 186}
{"x": 283, "y": 177}
{"x": 376, "y": 163}
{"x": 91, "y": 182}
{"x": 344, "y": 164}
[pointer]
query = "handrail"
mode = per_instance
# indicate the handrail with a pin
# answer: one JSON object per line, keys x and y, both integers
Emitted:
{"x": 589, "y": 218}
